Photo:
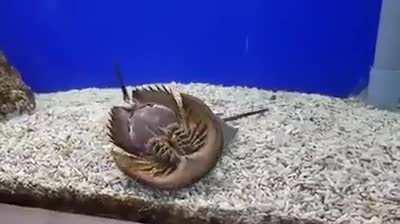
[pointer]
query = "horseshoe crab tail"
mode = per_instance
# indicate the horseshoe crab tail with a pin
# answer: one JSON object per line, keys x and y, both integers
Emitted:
{"x": 118, "y": 74}
{"x": 238, "y": 116}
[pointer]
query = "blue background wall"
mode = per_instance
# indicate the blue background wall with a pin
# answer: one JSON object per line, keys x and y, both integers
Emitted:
{"x": 303, "y": 45}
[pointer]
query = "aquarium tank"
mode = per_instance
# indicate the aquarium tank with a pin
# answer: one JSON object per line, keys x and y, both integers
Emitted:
{"x": 200, "y": 112}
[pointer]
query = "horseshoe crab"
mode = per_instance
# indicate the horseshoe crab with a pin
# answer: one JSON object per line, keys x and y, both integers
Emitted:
{"x": 169, "y": 140}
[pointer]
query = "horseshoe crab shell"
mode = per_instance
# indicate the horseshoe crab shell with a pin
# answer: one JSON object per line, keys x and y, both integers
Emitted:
{"x": 165, "y": 139}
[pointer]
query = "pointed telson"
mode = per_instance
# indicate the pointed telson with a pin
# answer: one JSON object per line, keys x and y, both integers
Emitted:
{"x": 119, "y": 77}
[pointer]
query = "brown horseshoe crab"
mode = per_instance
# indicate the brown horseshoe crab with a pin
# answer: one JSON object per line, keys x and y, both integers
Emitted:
{"x": 169, "y": 140}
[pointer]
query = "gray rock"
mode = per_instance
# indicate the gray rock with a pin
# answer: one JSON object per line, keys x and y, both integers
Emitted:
{"x": 15, "y": 96}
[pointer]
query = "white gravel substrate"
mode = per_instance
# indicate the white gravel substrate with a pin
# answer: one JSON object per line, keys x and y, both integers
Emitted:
{"x": 310, "y": 156}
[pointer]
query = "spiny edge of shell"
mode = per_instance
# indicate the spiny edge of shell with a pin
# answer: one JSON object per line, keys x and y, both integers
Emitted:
{"x": 153, "y": 88}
